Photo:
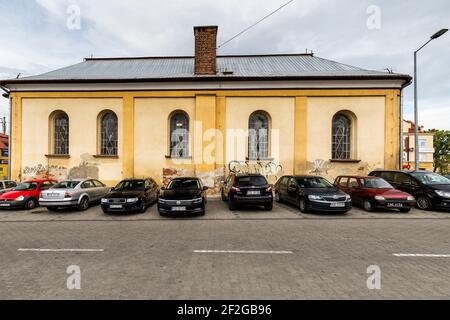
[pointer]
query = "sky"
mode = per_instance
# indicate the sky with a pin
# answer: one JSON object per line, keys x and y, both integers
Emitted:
{"x": 43, "y": 35}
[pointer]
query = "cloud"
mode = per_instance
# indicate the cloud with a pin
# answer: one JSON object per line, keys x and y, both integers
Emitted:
{"x": 37, "y": 39}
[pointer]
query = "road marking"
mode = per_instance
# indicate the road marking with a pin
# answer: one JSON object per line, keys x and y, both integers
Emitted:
{"x": 243, "y": 252}
{"x": 422, "y": 255}
{"x": 60, "y": 250}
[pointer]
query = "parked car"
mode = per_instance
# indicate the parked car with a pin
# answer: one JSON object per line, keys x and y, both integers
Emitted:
{"x": 183, "y": 195}
{"x": 131, "y": 195}
{"x": 312, "y": 193}
{"x": 374, "y": 192}
{"x": 247, "y": 189}
{"x": 447, "y": 176}
{"x": 7, "y": 185}
{"x": 431, "y": 190}
{"x": 25, "y": 195}
{"x": 73, "y": 193}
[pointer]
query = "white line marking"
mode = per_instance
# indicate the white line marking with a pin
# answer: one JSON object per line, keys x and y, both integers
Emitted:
{"x": 60, "y": 250}
{"x": 422, "y": 255}
{"x": 243, "y": 252}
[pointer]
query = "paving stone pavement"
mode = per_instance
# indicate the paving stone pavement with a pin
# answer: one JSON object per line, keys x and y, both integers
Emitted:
{"x": 148, "y": 257}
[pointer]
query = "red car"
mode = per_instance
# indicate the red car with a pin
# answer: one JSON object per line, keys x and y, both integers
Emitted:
{"x": 373, "y": 192}
{"x": 25, "y": 195}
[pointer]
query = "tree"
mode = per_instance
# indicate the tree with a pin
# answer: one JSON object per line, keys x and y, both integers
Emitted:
{"x": 442, "y": 150}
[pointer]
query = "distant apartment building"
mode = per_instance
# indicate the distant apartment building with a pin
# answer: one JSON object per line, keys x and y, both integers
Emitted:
{"x": 426, "y": 147}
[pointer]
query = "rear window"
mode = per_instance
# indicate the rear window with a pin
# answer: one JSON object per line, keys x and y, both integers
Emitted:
{"x": 250, "y": 181}
{"x": 66, "y": 185}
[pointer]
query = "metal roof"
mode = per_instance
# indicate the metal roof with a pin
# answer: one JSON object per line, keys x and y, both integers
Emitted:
{"x": 298, "y": 66}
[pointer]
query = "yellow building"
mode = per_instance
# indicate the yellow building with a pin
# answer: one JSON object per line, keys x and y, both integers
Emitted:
{"x": 111, "y": 118}
{"x": 426, "y": 147}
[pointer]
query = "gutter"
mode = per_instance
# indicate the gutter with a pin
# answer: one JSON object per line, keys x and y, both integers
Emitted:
{"x": 6, "y": 94}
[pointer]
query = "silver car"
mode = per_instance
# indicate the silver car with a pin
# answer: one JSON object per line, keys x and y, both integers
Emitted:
{"x": 7, "y": 185}
{"x": 73, "y": 193}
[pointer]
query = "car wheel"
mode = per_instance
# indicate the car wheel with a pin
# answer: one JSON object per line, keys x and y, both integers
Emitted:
{"x": 277, "y": 197}
{"x": 268, "y": 207}
{"x": 302, "y": 205}
{"x": 143, "y": 206}
{"x": 367, "y": 205}
{"x": 231, "y": 204}
{"x": 424, "y": 203}
{"x": 405, "y": 210}
{"x": 31, "y": 204}
{"x": 84, "y": 204}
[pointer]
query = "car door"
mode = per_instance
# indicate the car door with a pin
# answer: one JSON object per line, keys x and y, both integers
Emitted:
{"x": 292, "y": 191}
{"x": 342, "y": 185}
{"x": 150, "y": 190}
{"x": 282, "y": 188}
{"x": 89, "y": 188}
{"x": 100, "y": 189}
{"x": 354, "y": 190}
{"x": 403, "y": 182}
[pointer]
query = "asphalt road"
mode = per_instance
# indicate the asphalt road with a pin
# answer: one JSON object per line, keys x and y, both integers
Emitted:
{"x": 247, "y": 254}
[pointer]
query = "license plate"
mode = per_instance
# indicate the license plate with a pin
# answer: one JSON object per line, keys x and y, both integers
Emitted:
{"x": 395, "y": 205}
{"x": 338, "y": 205}
{"x": 178, "y": 208}
{"x": 116, "y": 206}
{"x": 5, "y": 205}
{"x": 52, "y": 195}
{"x": 253, "y": 193}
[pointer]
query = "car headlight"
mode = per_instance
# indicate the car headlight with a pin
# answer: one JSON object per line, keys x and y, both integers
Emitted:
{"x": 380, "y": 198}
{"x": 21, "y": 198}
{"x": 131, "y": 200}
{"x": 104, "y": 200}
{"x": 197, "y": 200}
{"x": 348, "y": 198}
{"x": 160, "y": 200}
{"x": 411, "y": 198}
{"x": 314, "y": 197}
{"x": 444, "y": 194}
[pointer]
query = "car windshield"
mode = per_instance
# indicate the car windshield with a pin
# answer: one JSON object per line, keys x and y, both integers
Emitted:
{"x": 132, "y": 185}
{"x": 26, "y": 186}
{"x": 250, "y": 181}
{"x": 316, "y": 183}
{"x": 376, "y": 183}
{"x": 183, "y": 184}
{"x": 66, "y": 185}
{"x": 430, "y": 178}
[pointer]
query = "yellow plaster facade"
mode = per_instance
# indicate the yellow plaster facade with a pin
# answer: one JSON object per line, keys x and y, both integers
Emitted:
{"x": 300, "y": 123}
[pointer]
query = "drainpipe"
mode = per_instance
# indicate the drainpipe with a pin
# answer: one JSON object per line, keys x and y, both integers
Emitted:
{"x": 6, "y": 95}
{"x": 401, "y": 124}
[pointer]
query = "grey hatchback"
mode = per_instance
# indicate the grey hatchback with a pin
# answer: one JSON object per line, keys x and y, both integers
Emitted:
{"x": 73, "y": 193}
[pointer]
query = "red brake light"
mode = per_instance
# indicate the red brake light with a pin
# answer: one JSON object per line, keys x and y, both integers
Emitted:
{"x": 269, "y": 189}
{"x": 235, "y": 189}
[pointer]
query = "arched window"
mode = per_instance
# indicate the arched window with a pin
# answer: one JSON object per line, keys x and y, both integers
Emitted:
{"x": 61, "y": 134}
{"x": 258, "y": 136}
{"x": 109, "y": 134}
{"x": 179, "y": 135}
{"x": 341, "y": 137}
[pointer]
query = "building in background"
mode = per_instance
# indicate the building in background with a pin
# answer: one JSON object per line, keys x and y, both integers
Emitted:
{"x": 4, "y": 156}
{"x": 112, "y": 118}
{"x": 426, "y": 147}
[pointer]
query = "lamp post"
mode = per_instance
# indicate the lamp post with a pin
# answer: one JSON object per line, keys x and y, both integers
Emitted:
{"x": 416, "y": 113}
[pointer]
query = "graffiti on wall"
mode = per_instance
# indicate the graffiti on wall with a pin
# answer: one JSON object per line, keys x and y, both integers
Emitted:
{"x": 41, "y": 171}
{"x": 331, "y": 170}
{"x": 268, "y": 169}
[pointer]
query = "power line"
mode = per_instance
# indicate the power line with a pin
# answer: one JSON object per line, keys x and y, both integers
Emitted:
{"x": 259, "y": 21}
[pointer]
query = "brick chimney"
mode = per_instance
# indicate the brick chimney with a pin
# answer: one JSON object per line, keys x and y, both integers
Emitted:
{"x": 205, "y": 50}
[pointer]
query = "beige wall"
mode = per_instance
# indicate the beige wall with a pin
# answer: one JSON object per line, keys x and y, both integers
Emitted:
{"x": 368, "y": 135}
{"x": 152, "y": 135}
{"x": 82, "y": 115}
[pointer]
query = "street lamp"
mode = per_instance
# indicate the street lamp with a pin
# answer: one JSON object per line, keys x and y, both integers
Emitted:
{"x": 416, "y": 113}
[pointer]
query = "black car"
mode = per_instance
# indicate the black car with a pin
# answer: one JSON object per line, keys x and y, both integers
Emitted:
{"x": 131, "y": 195}
{"x": 183, "y": 195}
{"x": 431, "y": 190}
{"x": 247, "y": 189}
{"x": 312, "y": 193}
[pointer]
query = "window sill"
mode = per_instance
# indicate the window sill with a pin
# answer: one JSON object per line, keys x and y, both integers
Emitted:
{"x": 101, "y": 156}
{"x": 345, "y": 160}
{"x": 259, "y": 159}
{"x": 186, "y": 158}
{"x": 57, "y": 156}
